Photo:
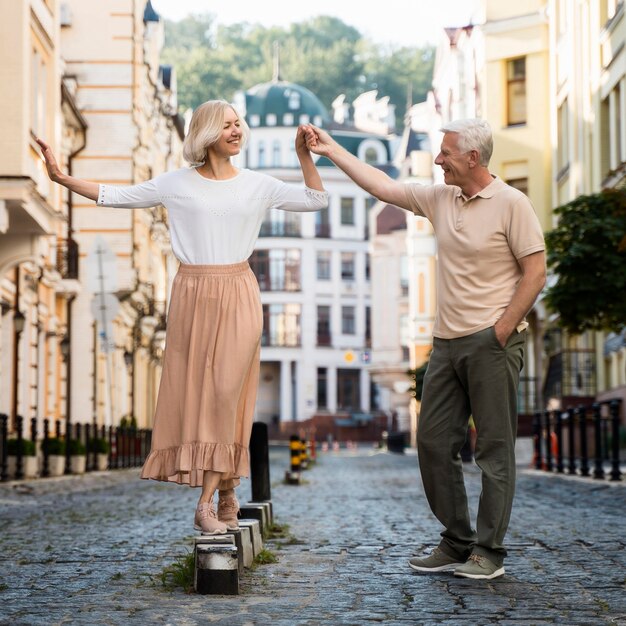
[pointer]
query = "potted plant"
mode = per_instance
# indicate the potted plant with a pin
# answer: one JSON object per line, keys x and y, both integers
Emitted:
{"x": 100, "y": 447}
{"x": 78, "y": 456}
{"x": 55, "y": 449}
{"x": 29, "y": 457}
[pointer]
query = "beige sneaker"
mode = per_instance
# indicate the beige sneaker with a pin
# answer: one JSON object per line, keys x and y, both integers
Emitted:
{"x": 227, "y": 509}
{"x": 436, "y": 561}
{"x": 479, "y": 568}
{"x": 206, "y": 520}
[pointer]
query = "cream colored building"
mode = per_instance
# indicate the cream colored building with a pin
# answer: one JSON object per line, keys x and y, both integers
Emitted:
{"x": 588, "y": 115}
{"x": 84, "y": 76}
{"x": 516, "y": 100}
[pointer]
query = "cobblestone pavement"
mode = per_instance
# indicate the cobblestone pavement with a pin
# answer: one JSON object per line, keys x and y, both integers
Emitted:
{"x": 88, "y": 550}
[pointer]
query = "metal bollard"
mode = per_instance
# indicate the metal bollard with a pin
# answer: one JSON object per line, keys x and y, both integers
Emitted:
{"x": 4, "y": 428}
{"x": 598, "y": 471}
{"x": 292, "y": 476}
{"x": 616, "y": 473}
{"x": 570, "y": 441}
{"x": 304, "y": 457}
{"x": 537, "y": 440}
{"x": 45, "y": 469}
{"x": 260, "y": 463}
{"x": 558, "y": 429}
{"x": 548, "y": 442}
{"x": 582, "y": 424}
{"x": 19, "y": 458}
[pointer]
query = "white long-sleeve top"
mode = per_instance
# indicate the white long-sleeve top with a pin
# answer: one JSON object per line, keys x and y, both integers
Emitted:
{"x": 213, "y": 222}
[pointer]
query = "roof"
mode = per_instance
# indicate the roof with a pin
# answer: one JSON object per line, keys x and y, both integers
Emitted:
{"x": 279, "y": 98}
{"x": 149, "y": 14}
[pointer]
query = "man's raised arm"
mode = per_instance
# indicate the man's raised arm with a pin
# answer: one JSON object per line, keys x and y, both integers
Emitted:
{"x": 372, "y": 180}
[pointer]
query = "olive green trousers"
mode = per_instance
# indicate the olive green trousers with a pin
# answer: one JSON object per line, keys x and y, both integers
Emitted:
{"x": 471, "y": 376}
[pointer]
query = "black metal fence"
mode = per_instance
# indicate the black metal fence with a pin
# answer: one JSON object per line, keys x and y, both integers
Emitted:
{"x": 99, "y": 446}
{"x": 584, "y": 441}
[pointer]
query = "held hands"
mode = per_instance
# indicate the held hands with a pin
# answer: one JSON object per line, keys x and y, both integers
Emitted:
{"x": 318, "y": 141}
{"x": 54, "y": 172}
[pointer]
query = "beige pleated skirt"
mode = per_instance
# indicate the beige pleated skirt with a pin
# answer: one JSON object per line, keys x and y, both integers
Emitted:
{"x": 206, "y": 399}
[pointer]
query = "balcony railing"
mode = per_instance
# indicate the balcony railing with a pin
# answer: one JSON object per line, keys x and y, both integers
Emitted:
{"x": 324, "y": 339}
{"x": 322, "y": 230}
{"x": 67, "y": 258}
{"x": 571, "y": 373}
{"x": 280, "y": 229}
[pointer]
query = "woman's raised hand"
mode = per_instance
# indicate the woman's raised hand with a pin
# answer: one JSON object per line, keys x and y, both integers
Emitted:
{"x": 54, "y": 172}
{"x": 318, "y": 140}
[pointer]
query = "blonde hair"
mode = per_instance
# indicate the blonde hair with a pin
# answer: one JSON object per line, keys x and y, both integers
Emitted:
{"x": 474, "y": 134}
{"x": 205, "y": 130}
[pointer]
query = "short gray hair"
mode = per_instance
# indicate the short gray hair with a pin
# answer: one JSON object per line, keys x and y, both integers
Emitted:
{"x": 474, "y": 134}
{"x": 205, "y": 130}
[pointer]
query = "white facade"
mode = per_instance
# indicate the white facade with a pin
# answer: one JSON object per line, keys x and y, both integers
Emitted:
{"x": 309, "y": 366}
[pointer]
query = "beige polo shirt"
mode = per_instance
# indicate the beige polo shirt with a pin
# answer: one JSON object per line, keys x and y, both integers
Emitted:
{"x": 479, "y": 240}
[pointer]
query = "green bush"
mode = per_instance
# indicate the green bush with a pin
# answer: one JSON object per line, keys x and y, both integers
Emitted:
{"x": 77, "y": 447}
{"x": 128, "y": 421}
{"x": 54, "y": 446}
{"x": 98, "y": 445}
{"x": 25, "y": 446}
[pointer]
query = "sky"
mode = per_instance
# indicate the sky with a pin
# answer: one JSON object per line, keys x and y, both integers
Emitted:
{"x": 402, "y": 22}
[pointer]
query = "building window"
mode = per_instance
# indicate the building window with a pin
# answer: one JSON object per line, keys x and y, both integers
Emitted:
{"x": 276, "y": 270}
{"x": 371, "y": 156}
{"x": 368, "y": 327}
{"x": 347, "y": 211}
{"x": 39, "y": 91}
{"x": 367, "y": 266}
{"x": 288, "y": 119}
{"x": 304, "y": 119}
{"x": 348, "y": 390}
{"x": 276, "y": 153}
{"x": 563, "y": 138}
{"x": 322, "y": 388}
{"x": 348, "y": 320}
{"x": 261, "y": 154}
{"x": 322, "y": 224}
{"x": 255, "y": 120}
{"x": 404, "y": 275}
{"x": 521, "y": 184}
{"x": 323, "y": 325}
{"x": 281, "y": 325}
{"x": 324, "y": 258}
{"x": 280, "y": 224}
{"x": 516, "y": 91}
{"x": 270, "y": 119}
{"x": 347, "y": 266}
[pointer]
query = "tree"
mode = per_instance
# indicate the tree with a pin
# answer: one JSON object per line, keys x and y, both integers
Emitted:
{"x": 322, "y": 54}
{"x": 587, "y": 253}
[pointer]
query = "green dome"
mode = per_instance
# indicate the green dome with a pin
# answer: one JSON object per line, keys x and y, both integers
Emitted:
{"x": 285, "y": 103}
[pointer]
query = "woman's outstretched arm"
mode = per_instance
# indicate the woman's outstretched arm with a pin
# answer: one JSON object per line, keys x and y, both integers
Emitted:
{"x": 311, "y": 176}
{"x": 79, "y": 186}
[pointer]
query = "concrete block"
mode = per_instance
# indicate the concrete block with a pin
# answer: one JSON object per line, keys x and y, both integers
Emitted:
{"x": 255, "y": 511}
{"x": 292, "y": 478}
{"x": 255, "y": 534}
{"x": 269, "y": 512}
{"x": 216, "y": 569}
{"x": 244, "y": 535}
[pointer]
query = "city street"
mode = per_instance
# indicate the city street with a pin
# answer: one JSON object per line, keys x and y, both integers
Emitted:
{"x": 88, "y": 550}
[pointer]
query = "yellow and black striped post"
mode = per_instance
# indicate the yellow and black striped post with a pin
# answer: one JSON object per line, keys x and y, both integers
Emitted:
{"x": 304, "y": 456}
{"x": 292, "y": 476}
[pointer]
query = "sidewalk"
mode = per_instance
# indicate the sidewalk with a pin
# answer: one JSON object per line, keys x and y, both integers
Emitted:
{"x": 82, "y": 550}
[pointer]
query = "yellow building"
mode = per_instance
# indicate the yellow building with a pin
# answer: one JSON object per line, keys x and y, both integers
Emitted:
{"x": 588, "y": 115}
{"x": 516, "y": 100}
{"x": 85, "y": 76}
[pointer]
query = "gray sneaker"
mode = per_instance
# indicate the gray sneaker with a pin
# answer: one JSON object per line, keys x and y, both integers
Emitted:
{"x": 479, "y": 567}
{"x": 436, "y": 561}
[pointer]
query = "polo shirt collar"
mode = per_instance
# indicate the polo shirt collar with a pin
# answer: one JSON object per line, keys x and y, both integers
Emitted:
{"x": 488, "y": 192}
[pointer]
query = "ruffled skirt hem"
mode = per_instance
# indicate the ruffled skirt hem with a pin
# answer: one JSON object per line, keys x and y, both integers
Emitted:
{"x": 185, "y": 464}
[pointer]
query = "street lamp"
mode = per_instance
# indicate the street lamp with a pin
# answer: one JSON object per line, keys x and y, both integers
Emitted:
{"x": 19, "y": 321}
{"x": 65, "y": 347}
